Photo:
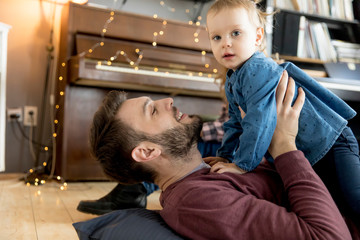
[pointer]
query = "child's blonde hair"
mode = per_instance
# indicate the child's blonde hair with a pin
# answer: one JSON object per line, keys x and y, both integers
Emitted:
{"x": 256, "y": 15}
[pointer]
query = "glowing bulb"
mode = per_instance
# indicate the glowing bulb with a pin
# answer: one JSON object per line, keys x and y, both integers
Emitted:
{"x": 203, "y": 52}
{"x": 122, "y": 52}
{"x": 200, "y": 74}
{"x": 155, "y": 16}
{"x": 199, "y": 18}
{"x": 108, "y": 63}
{"x": 132, "y": 63}
{"x": 196, "y": 34}
{"x": 154, "y": 44}
{"x": 207, "y": 65}
{"x": 104, "y": 30}
{"x": 56, "y": 121}
{"x": 28, "y": 184}
{"x": 190, "y": 22}
{"x": 137, "y": 50}
{"x": 112, "y": 13}
{"x": 140, "y": 56}
{"x": 196, "y": 40}
{"x": 36, "y": 180}
{"x": 102, "y": 43}
{"x": 46, "y": 149}
{"x": 54, "y": 135}
{"x": 136, "y": 68}
{"x": 215, "y": 70}
{"x": 99, "y": 63}
{"x": 164, "y": 22}
{"x": 190, "y": 74}
{"x": 111, "y": 18}
{"x": 161, "y": 32}
{"x": 36, "y": 184}
{"x": 44, "y": 164}
{"x": 58, "y": 178}
{"x": 155, "y": 34}
{"x": 197, "y": 23}
{"x": 42, "y": 182}
{"x": 63, "y": 64}
{"x": 31, "y": 170}
{"x": 60, "y": 78}
{"x": 209, "y": 75}
{"x": 65, "y": 184}
{"x": 90, "y": 50}
{"x": 162, "y": 3}
{"x": 156, "y": 69}
{"x": 57, "y": 106}
{"x": 62, "y": 188}
{"x": 112, "y": 59}
{"x": 62, "y": 93}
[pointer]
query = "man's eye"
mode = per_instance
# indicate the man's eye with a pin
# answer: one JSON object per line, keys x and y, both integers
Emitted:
{"x": 216, "y": 38}
{"x": 236, "y": 33}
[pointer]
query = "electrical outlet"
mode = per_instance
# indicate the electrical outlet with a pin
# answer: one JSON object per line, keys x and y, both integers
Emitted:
{"x": 30, "y": 115}
{"x": 14, "y": 114}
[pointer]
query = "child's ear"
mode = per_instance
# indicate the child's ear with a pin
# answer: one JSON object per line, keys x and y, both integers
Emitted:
{"x": 145, "y": 151}
{"x": 259, "y": 35}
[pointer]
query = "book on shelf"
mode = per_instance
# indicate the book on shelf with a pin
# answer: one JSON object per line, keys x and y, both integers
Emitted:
{"x": 342, "y": 9}
{"x": 346, "y": 51}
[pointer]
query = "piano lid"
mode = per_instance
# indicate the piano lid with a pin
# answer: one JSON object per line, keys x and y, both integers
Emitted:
{"x": 161, "y": 69}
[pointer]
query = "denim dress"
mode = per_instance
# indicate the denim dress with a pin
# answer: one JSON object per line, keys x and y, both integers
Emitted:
{"x": 253, "y": 88}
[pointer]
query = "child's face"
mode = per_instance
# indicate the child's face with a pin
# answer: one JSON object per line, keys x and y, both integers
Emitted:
{"x": 233, "y": 36}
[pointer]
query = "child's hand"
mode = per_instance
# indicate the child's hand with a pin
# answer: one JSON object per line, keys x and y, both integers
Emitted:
{"x": 221, "y": 167}
{"x": 212, "y": 160}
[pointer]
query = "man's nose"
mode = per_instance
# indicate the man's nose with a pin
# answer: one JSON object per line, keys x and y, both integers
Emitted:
{"x": 168, "y": 103}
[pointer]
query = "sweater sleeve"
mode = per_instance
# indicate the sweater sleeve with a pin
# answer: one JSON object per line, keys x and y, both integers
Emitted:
{"x": 220, "y": 211}
{"x": 309, "y": 198}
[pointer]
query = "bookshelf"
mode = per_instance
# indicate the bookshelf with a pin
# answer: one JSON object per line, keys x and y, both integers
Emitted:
{"x": 313, "y": 36}
{"x": 312, "y": 33}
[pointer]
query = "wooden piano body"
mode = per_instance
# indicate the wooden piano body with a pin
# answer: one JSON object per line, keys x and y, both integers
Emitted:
{"x": 176, "y": 67}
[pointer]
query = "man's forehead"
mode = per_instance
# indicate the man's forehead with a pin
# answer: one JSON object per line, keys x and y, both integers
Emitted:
{"x": 133, "y": 108}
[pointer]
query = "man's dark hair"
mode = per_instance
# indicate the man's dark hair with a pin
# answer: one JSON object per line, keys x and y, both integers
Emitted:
{"x": 112, "y": 142}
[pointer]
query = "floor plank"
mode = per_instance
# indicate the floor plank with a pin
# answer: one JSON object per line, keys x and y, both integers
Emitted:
{"x": 46, "y": 212}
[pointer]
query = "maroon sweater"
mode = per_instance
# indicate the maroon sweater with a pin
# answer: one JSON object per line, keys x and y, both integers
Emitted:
{"x": 286, "y": 200}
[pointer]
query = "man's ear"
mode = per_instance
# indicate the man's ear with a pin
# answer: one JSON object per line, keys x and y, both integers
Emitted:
{"x": 259, "y": 35}
{"x": 145, "y": 151}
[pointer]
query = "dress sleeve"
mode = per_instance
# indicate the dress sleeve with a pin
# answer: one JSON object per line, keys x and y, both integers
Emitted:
{"x": 258, "y": 88}
{"x": 232, "y": 131}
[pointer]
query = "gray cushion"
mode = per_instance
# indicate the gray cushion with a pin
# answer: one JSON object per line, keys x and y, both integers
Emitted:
{"x": 133, "y": 224}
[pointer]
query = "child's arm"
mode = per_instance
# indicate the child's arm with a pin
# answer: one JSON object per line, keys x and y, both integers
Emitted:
{"x": 257, "y": 89}
{"x": 232, "y": 132}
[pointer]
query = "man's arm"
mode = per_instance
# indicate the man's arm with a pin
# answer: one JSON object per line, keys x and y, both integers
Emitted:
{"x": 308, "y": 197}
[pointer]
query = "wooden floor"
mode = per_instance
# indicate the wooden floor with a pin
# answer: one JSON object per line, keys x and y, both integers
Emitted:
{"x": 46, "y": 212}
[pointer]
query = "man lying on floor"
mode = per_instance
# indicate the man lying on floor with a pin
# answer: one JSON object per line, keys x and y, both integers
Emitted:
{"x": 140, "y": 139}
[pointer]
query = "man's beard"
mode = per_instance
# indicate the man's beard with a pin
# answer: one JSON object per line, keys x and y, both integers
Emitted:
{"x": 178, "y": 141}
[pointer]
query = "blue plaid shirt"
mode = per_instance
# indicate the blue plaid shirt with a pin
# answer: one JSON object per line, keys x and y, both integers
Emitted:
{"x": 252, "y": 87}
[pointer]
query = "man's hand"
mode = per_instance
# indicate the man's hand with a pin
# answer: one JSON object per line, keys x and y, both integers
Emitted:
{"x": 213, "y": 160}
{"x": 286, "y": 129}
{"x": 221, "y": 167}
